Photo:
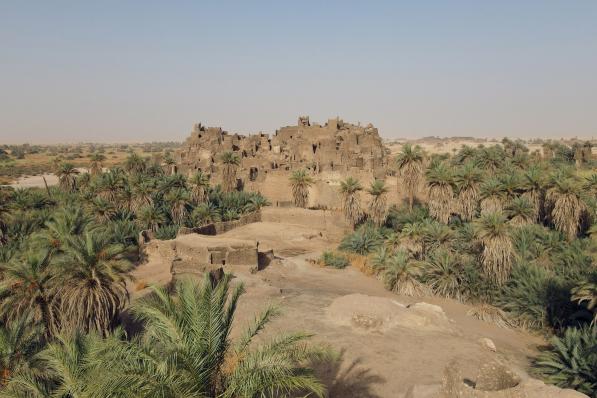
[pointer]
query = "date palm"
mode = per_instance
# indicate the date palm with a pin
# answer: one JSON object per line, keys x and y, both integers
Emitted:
{"x": 66, "y": 367}
{"x": 565, "y": 198}
{"x": 492, "y": 196}
{"x": 179, "y": 201}
{"x": 65, "y": 222}
{"x": 109, "y": 185}
{"x": 90, "y": 283}
{"x": 19, "y": 341}
{"x": 490, "y": 159}
{"x": 150, "y": 217}
{"x": 230, "y": 163}
{"x": 96, "y": 166}
{"x": 401, "y": 274}
{"x": 300, "y": 181}
{"x": 464, "y": 155}
{"x": 135, "y": 164}
{"x": 412, "y": 238}
{"x": 378, "y": 208}
{"x": 443, "y": 273}
{"x": 143, "y": 195}
{"x": 351, "y": 202}
{"x": 66, "y": 174}
{"x": 199, "y": 184}
{"x": 510, "y": 184}
{"x": 410, "y": 169}
{"x": 102, "y": 209}
{"x": 520, "y": 211}
{"x": 498, "y": 251}
{"x": 26, "y": 288}
{"x": 204, "y": 214}
{"x": 468, "y": 179}
{"x": 186, "y": 350}
{"x": 586, "y": 292}
{"x": 533, "y": 184}
{"x": 170, "y": 163}
{"x": 440, "y": 192}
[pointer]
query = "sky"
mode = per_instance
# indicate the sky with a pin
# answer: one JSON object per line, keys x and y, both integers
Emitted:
{"x": 131, "y": 71}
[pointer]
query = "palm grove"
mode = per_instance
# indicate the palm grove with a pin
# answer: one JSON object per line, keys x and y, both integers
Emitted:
{"x": 66, "y": 255}
{"x": 510, "y": 232}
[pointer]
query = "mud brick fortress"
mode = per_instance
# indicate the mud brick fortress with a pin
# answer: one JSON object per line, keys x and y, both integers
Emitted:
{"x": 330, "y": 152}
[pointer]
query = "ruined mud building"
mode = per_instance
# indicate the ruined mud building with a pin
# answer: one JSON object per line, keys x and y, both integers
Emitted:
{"x": 334, "y": 147}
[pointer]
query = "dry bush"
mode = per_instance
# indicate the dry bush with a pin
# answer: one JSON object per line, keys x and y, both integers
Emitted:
{"x": 489, "y": 313}
{"x": 361, "y": 263}
{"x": 140, "y": 285}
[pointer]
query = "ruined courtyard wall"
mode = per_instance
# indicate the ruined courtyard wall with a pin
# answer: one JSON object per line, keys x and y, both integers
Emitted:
{"x": 331, "y": 222}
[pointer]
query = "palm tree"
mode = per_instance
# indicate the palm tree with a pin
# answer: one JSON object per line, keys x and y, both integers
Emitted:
{"x": 465, "y": 155}
{"x": 103, "y": 210}
{"x": 533, "y": 185}
{"x": 351, "y": 203}
{"x": 491, "y": 158}
{"x": 492, "y": 196}
{"x": 26, "y": 288}
{"x": 135, "y": 164}
{"x": 498, "y": 251}
{"x": 442, "y": 272}
{"x": 300, "y": 182}
{"x": 567, "y": 204}
{"x": 400, "y": 274}
{"x": 436, "y": 235}
{"x": 204, "y": 214}
{"x": 467, "y": 179}
{"x": 410, "y": 168}
{"x": 199, "y": 187}
{"x": 171, "y": 163}
{"x": 67, "y": 367}
{"x": 520, "y": 211}
{"x": 66, "y": 174}
{"x": 19, "y": 340}
{"x": 96, "y": 166}
{"x": 186, "y": 350}
{"x": 378, "y": 209}
{"x": 126, "y": 199}
{"x": 150, "y": 217}
{"x": 411, "y": 237}
{"x": 65, "y": 222}
{"x": 178, "y": 200}
{"x": 230, "y": 163}
{"x": 440, "y": 192}
{"x": 143, "y": 195}
{"x": 90, "y": 288}
{"x": 4, "y": 216}
{"x": 586, "y": 292}
{"x": 109, "y": 185}
{"x": 510, "y": 184}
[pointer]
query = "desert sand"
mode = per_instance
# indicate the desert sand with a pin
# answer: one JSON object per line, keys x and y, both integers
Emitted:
{"x": 386, "y": 344}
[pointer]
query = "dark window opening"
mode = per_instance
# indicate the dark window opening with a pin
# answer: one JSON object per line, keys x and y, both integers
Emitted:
{"x": 253, "y": 173}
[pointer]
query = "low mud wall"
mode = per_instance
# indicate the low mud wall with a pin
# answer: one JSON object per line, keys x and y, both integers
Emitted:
{"x": 220, "y": 227}
{"x": 330, "y": 221}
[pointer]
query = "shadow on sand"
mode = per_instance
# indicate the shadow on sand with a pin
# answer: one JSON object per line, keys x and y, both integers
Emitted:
{"x": 347, "y": 379}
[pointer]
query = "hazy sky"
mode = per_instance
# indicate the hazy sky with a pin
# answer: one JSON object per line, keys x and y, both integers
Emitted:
{"x": 145, "y": 70}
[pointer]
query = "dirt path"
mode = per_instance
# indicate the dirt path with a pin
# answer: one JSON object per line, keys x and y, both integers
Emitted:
{"x": 382, "y": 360}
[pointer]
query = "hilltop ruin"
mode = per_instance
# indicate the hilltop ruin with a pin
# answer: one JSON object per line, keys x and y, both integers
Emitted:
{"x": 330, "y": 152}
{"x": 336, "y": 146}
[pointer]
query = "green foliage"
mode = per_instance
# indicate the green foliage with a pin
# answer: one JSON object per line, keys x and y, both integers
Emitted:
{"x": 167, "y": 232}
{"x": 363, "y": 241}
{"x": 334, "y": 260}
{"x": 571, "y": 361}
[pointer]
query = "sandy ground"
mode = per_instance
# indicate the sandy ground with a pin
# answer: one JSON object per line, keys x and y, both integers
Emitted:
{"x": 447, "y": 145}
{"x": 38, "y": 180}
{"x": 379, "y": 361}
